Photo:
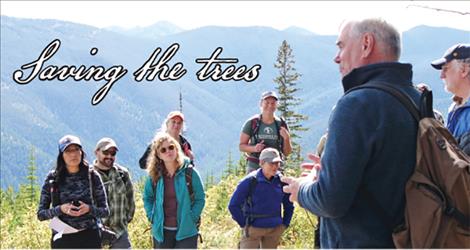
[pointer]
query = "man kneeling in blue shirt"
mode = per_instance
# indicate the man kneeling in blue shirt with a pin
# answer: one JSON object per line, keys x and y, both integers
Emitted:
{"x": 256, "y": 204}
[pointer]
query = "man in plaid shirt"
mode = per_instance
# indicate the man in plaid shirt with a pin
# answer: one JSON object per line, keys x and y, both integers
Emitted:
{"x": 119, "y": 191}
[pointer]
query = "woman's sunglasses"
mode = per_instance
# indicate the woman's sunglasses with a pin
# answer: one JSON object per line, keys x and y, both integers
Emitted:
{"x": 169, "y": 148}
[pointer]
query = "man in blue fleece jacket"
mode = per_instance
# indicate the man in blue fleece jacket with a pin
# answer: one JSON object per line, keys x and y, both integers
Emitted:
{"x": 371, "y": 146}
{"x": 261, "y": 217}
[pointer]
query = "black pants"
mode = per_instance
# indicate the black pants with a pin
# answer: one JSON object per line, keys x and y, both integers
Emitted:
{"x": 169, "y": 241}
{"x": 88, "y": 238}
{"x": 316, "y": 242}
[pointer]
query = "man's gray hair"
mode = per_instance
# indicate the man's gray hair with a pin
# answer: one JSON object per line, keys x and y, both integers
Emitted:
{"x": 463, "y": 62}
{"x": 384, "y": 33}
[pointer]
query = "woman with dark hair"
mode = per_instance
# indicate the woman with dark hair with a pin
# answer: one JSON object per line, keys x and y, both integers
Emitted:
{"x": 77, "y": 197}
{"x": 173, "y": 214}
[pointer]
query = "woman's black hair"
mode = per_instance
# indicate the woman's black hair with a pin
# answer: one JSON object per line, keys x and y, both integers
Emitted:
{"x": 61, "y": 169}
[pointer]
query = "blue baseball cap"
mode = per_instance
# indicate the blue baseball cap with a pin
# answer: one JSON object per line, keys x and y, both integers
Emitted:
{"x": 68, "y": 140}
{"x": 458, "y": 51}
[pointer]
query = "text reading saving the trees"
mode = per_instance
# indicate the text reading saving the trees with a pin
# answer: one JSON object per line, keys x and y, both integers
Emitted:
{"x": 156, "y": 66}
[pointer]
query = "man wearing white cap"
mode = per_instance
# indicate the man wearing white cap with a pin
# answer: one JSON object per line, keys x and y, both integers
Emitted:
{"x": 119, "y": 189}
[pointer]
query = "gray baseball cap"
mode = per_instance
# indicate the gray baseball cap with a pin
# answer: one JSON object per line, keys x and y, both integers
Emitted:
{"x": 105, "y": 144}
{"x": 270, "y": 155}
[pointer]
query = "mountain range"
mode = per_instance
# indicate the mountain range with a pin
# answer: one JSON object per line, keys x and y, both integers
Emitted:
{"x": 35, "y": 115}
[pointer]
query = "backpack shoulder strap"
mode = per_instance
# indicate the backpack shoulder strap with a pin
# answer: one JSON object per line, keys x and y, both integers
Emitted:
{"x": 251, "y": 189}
{"x": 404, "y": 98}
{"x": 280, "y": 122}
{"x": 123, "y": 173}
{"x": 143, "y": 158}
{"x": 188, "y": 173}
{"x": 412, "y": 108}
{"x": 52, "y": 181}
{"x": 255, "y": 123}
{"x": 184, "y": 142}
{"x": 92, "y": 186}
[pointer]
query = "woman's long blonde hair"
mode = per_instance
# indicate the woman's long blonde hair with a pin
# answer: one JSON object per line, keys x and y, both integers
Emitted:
{"x": 155, "y": 165}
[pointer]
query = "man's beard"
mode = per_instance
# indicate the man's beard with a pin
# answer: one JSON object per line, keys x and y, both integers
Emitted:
{"x": 107, "y": 163}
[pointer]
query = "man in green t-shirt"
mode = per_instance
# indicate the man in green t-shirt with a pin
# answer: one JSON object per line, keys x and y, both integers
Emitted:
{"x": 264, "y": 130}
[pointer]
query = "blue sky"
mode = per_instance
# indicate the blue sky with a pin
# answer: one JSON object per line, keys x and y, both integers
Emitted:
{"x": 322, "y": 17}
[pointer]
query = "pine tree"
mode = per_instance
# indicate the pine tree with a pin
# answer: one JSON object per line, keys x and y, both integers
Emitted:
{"x": 241, "y": 166}
{"x": 181, "y": 101}
{"x": 287, "y": 81}
{"x": 31, "y": 189}
{"x": 231, "y": 168}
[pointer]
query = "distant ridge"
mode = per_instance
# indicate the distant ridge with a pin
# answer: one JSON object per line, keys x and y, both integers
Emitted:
{"x": 38, "y": 114}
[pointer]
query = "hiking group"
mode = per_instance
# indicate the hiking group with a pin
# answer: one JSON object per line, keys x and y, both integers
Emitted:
{"x": 386, "y": 175}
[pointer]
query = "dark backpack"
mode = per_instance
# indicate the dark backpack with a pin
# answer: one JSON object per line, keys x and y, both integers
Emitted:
{"x": 188, "y": 174}
{"x": 437, "y": 194}
{"x": 52, "y": 181}
{"x": 124, "y": 177}
{"x": 255, "y": 123}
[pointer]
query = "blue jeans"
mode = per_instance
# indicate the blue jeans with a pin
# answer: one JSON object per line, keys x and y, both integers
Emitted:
{"x": 169, "y": 241}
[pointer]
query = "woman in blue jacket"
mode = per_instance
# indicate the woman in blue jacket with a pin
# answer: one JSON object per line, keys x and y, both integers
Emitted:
{"x": 167, "y": 201}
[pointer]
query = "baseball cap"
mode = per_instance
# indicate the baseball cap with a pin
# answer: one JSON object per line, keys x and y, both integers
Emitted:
{"x": 267, "y": 94}
{"x": 106, "y": 143}
{"x": 174, "y": 114}
{"x": 458, "y": 51}
{"x": 270, "y": 155}
{"x": 68, "y": 140}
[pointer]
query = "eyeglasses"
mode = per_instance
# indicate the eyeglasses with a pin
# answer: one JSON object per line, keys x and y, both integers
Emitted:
{"x": 112, "y": 153}
{"x": 169, "y": 148}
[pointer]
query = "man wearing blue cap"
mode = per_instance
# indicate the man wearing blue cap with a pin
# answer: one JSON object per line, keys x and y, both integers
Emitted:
{"x": 455, "y": 72}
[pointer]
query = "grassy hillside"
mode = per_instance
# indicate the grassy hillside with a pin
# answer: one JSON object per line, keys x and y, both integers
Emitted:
{"x": 21, "y": 229}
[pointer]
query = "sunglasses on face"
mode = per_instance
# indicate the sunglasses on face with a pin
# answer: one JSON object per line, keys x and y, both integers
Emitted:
{"x": 169, "y": 148}
{"x": 112, "y": 153}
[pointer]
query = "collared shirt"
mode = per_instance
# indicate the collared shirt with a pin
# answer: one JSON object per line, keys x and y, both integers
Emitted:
{"x": 458, "y": 123}
{"x": 458, "y": 120}
{"x": 120, "y": 193}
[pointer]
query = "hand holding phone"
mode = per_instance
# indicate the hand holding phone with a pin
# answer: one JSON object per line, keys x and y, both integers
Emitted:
{"x": 76, "y": 205}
